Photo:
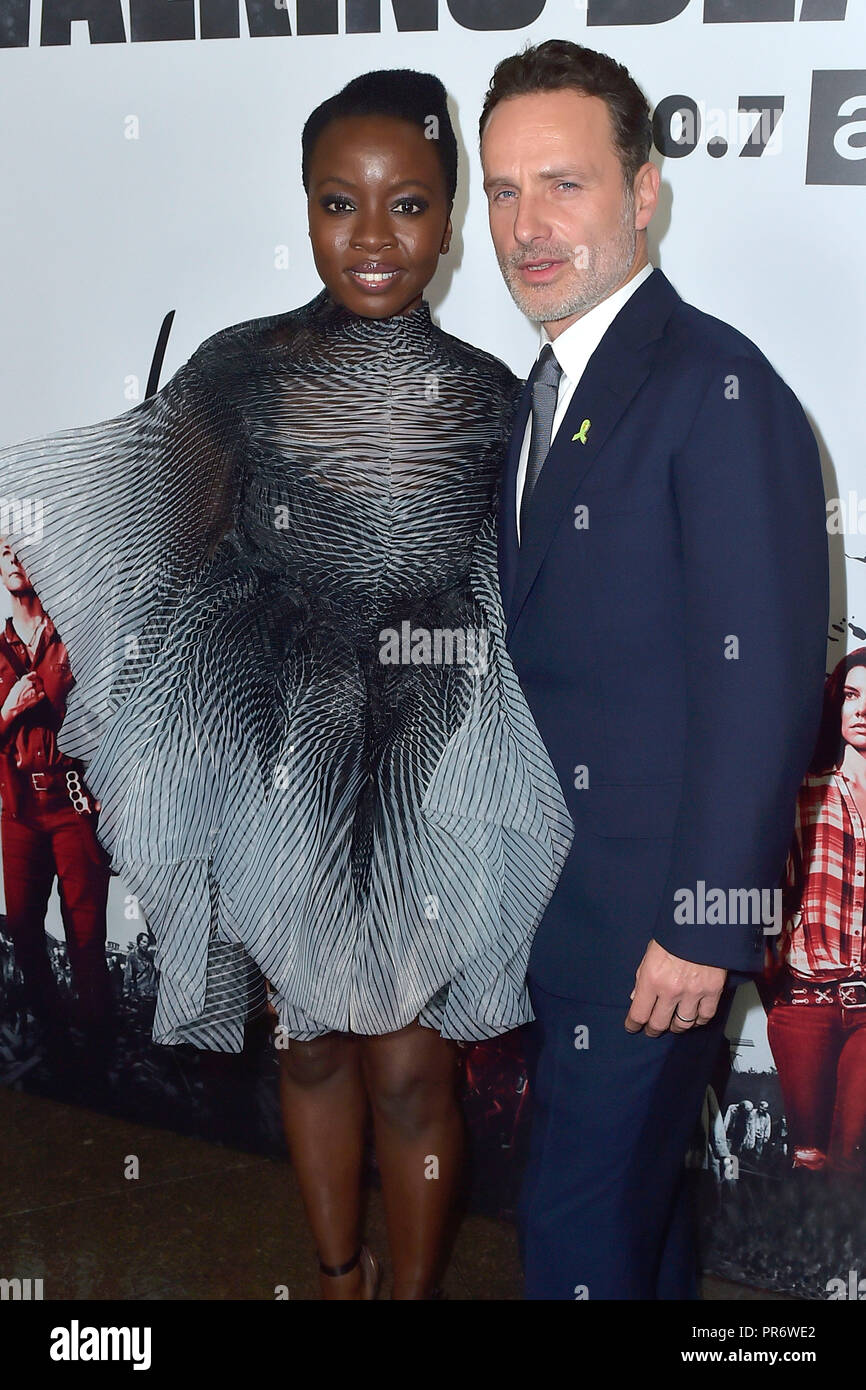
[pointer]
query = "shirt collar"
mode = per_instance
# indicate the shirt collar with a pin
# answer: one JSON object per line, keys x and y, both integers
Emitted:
{"x": 12, "y": 634}
{"x": 575, "y": 346}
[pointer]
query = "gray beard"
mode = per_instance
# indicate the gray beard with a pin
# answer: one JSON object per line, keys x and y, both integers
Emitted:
{"x": 608, "y": 266}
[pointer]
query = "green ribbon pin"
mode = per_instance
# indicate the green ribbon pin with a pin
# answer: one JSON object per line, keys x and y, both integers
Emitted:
{"x": 582, "y": 432}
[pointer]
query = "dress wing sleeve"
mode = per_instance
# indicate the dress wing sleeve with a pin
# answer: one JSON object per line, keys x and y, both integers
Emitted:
{"x": 112, "y": 522}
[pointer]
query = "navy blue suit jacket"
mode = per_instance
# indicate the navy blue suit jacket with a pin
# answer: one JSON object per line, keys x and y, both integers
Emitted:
{"x": 667, "y": 618}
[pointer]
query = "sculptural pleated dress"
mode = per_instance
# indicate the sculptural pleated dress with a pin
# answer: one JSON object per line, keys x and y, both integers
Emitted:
{"x": 277, "y": 582}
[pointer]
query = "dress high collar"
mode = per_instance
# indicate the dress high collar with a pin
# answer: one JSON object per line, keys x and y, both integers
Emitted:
{"x": 330, "y": 313}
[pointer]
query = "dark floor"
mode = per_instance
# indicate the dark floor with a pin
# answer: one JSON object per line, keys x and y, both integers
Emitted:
{"x": 199, "y": 1222}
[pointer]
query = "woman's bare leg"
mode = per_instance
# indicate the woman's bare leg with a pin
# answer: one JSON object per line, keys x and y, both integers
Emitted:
{"x": 411, "y": 1077}
{"x": 324, "y": 1106}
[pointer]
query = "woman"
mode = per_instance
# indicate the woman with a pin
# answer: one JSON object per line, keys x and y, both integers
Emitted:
{"x": 817, "y": 1023}
{"x": 314, "y": 761}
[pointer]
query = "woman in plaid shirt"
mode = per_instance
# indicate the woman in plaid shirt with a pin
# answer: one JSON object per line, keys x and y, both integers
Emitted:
{"x": 817, "y": 1023}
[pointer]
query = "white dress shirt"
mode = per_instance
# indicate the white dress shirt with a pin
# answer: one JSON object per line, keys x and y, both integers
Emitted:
{"x": 572, "y": 350}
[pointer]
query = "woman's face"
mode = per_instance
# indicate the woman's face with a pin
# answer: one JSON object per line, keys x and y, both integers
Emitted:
{"x": 378, "y": 212}
{"x": 854, "y": 708}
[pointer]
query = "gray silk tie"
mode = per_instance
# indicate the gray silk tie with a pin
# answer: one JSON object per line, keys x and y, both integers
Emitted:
{"x": 545, "y": 390}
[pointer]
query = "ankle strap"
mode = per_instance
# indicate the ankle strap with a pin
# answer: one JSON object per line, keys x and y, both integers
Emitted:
{"x": 335, "y": 1271}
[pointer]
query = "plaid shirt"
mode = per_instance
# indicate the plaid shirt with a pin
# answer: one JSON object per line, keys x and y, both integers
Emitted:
{"x": 826, "y": 867}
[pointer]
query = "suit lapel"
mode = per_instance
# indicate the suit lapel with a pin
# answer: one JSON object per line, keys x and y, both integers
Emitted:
{"x": 612, "y": 378}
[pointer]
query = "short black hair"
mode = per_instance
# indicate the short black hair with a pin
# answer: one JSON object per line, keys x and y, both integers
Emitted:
{"x": 560, "y": 65}
{"x": 399, "y": 92}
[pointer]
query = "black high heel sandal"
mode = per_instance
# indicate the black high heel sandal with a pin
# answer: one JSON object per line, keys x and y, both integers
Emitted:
{"x": 373, "y": 1268}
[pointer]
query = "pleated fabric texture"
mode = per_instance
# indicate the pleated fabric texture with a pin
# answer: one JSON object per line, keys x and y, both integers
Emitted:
{"x": 304, "y": 779}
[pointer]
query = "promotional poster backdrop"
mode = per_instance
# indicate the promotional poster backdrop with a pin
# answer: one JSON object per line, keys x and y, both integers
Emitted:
{"x": 152, "y": 195}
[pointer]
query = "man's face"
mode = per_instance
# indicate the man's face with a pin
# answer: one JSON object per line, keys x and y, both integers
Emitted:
{"x": 12, "y": 573}
{"x": 564, "y": 224}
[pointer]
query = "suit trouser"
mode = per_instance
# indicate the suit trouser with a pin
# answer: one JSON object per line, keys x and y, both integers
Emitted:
{"x": 604, "y": 1211}
{"x": 48, "y": 839}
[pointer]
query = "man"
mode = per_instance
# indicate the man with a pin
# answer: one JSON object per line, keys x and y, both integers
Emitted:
{"x": 664, "y": 578}
{"x": 140, "y": 979}
{"x": 716, "y": 1150}
{"x": 46, "y": 826}
{"x": 763, "y": 1129}
{"x": 740, "y": 1127}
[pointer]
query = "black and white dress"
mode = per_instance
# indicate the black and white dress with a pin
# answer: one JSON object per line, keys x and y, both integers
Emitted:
{"x": 277, "y": 583}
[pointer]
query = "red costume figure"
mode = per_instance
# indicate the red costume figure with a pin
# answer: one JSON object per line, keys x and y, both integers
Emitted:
{"x": 48, "y": 817}
{"x": 817, "y": 1024}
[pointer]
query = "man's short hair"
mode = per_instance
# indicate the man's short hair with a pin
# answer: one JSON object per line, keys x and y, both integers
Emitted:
{"x": 559, "y": 65}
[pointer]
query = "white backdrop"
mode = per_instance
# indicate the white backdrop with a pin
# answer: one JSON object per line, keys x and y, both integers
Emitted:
{"x": 144, "y": 174}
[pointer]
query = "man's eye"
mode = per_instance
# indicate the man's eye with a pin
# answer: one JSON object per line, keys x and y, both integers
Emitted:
{"x": 503, "y": 194}
{"x": 566, "y": 184}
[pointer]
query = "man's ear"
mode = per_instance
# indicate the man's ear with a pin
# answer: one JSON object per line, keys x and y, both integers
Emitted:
{"x": 646, "y": 195}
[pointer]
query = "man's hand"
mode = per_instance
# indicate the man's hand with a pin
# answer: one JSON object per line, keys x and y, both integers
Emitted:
{"x": 672, "y": 994}
{"x": 24, "y": 693}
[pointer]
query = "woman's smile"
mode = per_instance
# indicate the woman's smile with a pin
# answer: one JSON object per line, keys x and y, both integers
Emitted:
{"x": 373, "y": 277}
